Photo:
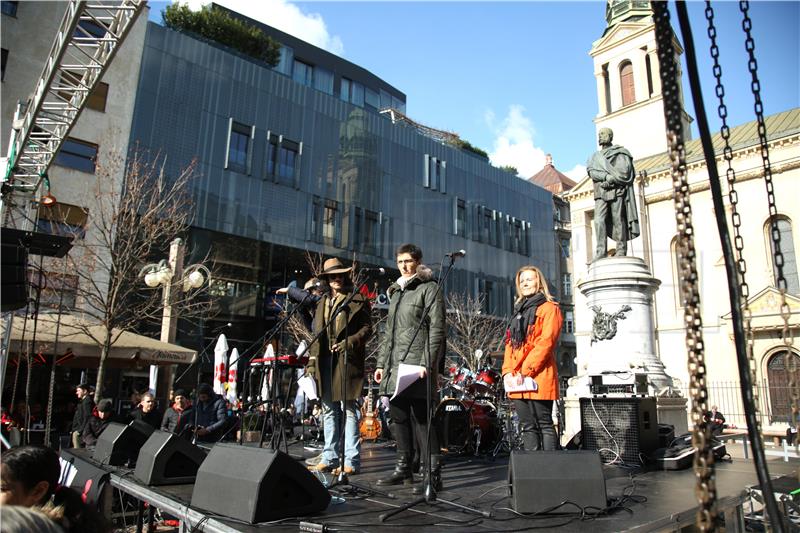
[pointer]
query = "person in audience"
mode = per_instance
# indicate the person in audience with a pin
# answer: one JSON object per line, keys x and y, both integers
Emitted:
{"x": 82, "y": 413}
{"x": 179, "y": 416}
{"x": 211, "y": 414}
{"x": 18, "y": 519}
{"x": 146, "y": 411}
{"x": 715, "y": 421}
{"x": 98, "y": 422}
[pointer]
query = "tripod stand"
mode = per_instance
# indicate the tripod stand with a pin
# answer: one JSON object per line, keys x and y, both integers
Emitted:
{"x": 429, "y": 494}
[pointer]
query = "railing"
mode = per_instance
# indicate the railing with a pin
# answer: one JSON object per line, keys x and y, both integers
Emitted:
{"x": 773, "y": 403}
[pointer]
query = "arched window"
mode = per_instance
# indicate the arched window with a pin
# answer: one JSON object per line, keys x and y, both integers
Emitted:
{"x": 784, "y": 228}
{"x": 780, "y": 397}
{"x": 626, "y": 83}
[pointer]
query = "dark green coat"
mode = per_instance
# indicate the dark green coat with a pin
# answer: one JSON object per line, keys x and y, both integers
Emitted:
{"x": 406, "y": 307}
{"x": 357, "y": 333}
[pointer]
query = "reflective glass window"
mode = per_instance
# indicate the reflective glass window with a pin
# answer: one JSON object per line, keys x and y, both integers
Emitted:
{"x": 78, "y": 155}
{"x": 323, "y": 80}
{"x": 238, "y": 147}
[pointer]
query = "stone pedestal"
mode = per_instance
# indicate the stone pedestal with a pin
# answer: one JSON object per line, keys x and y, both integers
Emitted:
{"x": 619, "y": 296}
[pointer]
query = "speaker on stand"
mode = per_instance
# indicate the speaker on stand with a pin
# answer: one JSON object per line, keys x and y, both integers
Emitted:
{"x": 119, "y": 445}
{"x": 167, "y": 459}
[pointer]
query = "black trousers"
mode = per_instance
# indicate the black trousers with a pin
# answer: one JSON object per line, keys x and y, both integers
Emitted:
{"x": 409, "y": 413}
{"x": 536, "y": 424}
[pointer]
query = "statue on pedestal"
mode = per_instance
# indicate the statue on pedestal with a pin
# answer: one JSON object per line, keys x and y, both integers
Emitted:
{"x": 615, "y": 213}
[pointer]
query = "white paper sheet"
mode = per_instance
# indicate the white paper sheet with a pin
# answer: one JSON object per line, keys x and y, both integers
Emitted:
{"x": 406, "y": 375}
{"x": 308, "y": 386}
{"x": 510, "y": 384}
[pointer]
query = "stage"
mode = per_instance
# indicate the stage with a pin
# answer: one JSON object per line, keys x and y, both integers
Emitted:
{"x": 643, "y": 500}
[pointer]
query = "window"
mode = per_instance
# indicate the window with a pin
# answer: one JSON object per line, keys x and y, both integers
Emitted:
{"x": 565, "y": 247}
{"x": 784, "y": 229}
{"x": 56, "y": 288}
{"x": 303, "y": 73}
{"x": 272, "y": 154}
{"x": 372, "y": 98}
{"x": 352, "y": 91}
{"x": 461, "y": 218}
{"x": 323, "y": 80}
{"x": 238, "y": 147}
{"x": 780, "y": 395}
{"x": 486, "y": 228}
{"x": 566, "y": 284}
{"x": 4, "y": 59}
{"x": 62, "y": 219}
{"x": 344, "y": 94}
{"x": 329, "y": 218}
{"x": 371, "y": 233}
{"x": 626, "y": 83}
{"x": 287, "y": 156}
{"x": 78, "y": 155}
{"x": 606, "y": 89}
{"x": 649, "y": 71}
{"x": 569, "y": 322}
{"x": 9, "y": 8}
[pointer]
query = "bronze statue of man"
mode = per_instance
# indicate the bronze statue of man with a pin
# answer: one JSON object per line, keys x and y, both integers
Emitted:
{"x": 615, "y": 214}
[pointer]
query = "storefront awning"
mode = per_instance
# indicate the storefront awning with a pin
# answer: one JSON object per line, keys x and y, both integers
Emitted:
{"x": 80, "y": 336}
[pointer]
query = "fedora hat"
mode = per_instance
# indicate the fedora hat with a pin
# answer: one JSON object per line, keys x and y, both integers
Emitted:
{"x": 334, "y": 266}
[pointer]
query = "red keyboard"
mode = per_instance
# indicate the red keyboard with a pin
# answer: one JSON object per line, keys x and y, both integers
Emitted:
{"x": 288, "y": 360}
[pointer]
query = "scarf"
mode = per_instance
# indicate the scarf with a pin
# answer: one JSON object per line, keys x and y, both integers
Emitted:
{"x": 524, "y": 318}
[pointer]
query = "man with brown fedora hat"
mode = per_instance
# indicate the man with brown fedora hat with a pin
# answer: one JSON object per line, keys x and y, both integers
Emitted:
{"x": 336, "y": 362}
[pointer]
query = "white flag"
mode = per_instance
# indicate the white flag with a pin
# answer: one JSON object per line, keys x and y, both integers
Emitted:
{"x": 220, "y": 364}
{"x": 266, "y": 378}
{"x": 233, "y": 365}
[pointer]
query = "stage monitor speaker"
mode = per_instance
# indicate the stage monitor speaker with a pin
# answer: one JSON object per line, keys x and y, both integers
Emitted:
{"x": 89, "y": 480}
{"x": 256, "y": 485}
{"x": 167, "y": 459}
{"x": 118, "y": 444}
{"x": 621, "y": 429}
{"x": 540, "y": 481}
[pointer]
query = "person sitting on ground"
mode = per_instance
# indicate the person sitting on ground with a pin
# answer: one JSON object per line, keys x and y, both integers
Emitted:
{"x": 98, "y": 422}
{"x": 146, "y": 411}
{"x": 211, "y": 414}
{"x": 179, "y": 415}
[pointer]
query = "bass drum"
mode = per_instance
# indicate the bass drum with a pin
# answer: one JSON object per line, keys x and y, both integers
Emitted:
{"x": 466, "y": 425}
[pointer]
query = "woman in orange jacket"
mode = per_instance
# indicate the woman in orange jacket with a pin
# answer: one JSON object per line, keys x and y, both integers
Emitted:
{"x": 530, "y": 345}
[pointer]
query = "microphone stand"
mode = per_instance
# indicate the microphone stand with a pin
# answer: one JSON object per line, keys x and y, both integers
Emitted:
{"x": 429, "y": 494}
{"x": 342, "y": 478}
{"x": 276, "y": 420}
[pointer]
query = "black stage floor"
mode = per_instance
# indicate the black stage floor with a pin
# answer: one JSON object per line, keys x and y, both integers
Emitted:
{"x": 647, "y": 500}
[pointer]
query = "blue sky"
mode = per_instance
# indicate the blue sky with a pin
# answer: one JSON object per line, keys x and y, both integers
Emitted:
{"x": 515, "y": 78}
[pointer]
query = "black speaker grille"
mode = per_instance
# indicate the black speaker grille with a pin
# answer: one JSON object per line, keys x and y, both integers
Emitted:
{"x": 621, "y": 429}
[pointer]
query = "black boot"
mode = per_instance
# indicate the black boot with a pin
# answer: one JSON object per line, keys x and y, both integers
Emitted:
{"x": 402, "y": 472}
{"x": 436, "y": 476}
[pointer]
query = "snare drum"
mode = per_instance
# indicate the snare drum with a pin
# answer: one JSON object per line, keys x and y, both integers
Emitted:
{"x": 465, "y": 425}
{"x": 486, "y": 383}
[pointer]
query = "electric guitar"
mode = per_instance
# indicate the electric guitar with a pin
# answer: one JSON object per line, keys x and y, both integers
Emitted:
{"x": 370, "y": 425}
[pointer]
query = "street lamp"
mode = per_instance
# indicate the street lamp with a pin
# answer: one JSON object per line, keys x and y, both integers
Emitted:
{"x": 173, "y": 277}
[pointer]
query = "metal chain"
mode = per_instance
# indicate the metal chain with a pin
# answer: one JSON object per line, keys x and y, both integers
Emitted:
{"x": 705, "y": 488}
{"x": 755, "y": 86}
{"x": 736, "y": 219}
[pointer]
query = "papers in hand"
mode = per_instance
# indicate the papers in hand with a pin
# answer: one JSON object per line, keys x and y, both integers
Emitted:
{"x": 308, "y": 386}
{"x": 510, "y": 384}
{"x": 406, "y": 375}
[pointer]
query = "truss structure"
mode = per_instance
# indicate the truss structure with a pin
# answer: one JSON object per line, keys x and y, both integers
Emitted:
{"x": 87, "y": 40}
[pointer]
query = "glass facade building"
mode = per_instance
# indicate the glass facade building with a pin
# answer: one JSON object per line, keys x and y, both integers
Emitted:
{"x": 297, "y": 160}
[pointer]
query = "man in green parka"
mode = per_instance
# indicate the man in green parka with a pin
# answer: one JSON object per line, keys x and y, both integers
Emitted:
{"x": 409, "y": 297}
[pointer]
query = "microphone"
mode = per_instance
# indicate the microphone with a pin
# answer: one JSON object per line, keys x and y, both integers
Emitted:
{"x": 380, "y": 271}
{"x": 459, "y": 253}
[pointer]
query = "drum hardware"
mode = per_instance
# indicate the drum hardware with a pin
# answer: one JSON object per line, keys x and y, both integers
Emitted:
{"x": 509, "y": 440}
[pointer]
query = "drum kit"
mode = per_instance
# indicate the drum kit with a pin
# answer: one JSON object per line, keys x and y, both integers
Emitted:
{"x": 474, "y": 415}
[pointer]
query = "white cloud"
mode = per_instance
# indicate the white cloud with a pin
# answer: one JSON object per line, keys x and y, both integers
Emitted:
{"x": 513, "y": 144}
{"x": 577, "y": 173}
{"x": 284, "y": 16}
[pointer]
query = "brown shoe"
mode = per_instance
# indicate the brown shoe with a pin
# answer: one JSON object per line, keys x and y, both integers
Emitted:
{"x": 348, "y": 470}
{"x": 320, "y": 467}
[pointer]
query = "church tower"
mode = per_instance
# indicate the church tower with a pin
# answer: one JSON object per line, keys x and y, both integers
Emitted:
{"x": 628, "y": 84}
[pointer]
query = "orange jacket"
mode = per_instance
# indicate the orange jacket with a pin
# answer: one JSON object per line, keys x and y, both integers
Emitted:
{"x": 536, "y": 356}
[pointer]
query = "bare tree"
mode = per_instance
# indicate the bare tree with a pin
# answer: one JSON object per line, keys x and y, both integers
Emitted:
{"x": 131, "y": 220}
{"x": 470, "y": 329}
